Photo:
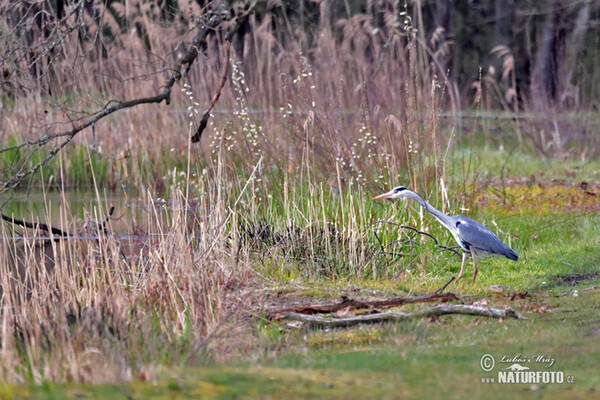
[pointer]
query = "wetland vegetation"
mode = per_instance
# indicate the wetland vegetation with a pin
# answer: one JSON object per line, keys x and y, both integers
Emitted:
{"x": 174, "y": 253}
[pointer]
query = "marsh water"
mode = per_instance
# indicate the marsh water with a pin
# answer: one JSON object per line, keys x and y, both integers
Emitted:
{"x": 72, "y": 210}
{"x": 80, "y": 215}
{"x": 50, "y": 206}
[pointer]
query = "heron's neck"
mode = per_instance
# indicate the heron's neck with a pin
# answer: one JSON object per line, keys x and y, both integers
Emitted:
{"x": 440, "y": 216}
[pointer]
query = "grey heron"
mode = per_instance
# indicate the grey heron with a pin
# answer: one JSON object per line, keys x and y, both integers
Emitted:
{"x": 471, "y": 236}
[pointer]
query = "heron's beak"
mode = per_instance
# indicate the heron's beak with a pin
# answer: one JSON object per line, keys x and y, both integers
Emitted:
{"x": 383, "y": 196}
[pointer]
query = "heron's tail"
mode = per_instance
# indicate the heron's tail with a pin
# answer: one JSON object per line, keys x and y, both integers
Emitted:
{"x": 511, "y": 254}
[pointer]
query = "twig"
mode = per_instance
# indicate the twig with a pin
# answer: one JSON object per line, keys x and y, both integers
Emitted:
{"x": 202, "y": 342}
{"x": 102, "y": 226}
{"x": 352, "y": 304}
{"x": 429, "y": 235}
{"x": 441, "y": 290}
{"x": 315, "y": 321}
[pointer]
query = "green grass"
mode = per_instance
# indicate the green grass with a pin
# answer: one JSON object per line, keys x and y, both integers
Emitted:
{"x": 420, "y": 359}
{"x": 423, "y": 358}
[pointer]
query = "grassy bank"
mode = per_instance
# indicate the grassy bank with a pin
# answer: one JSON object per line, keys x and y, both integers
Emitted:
{"x": 417, "y": 359}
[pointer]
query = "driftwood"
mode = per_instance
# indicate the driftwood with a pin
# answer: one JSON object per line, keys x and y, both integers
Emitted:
{"x": 351, "y": 304}
{"x": 315, "y": 321}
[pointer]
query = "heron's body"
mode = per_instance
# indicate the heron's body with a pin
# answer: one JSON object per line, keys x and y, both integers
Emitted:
{"x": 471, "y": 236}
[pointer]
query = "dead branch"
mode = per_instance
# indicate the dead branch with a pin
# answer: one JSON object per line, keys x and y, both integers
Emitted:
{"x": 100, "y": 227}
{"x": 204, "y": 121}
{"x": 179, "y": 70}
{"x": 202, "y": 342}
{"x": 314, "y": 321}
{"x": 412, "y": 228}
{"x": 35, "y": 225}
{"x": 441, "y": 289}
{"x": 352, "y": 304}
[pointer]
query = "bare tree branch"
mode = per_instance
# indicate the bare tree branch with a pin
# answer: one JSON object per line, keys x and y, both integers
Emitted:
{"x": 35, "y": 225}
{"x": 412, "y": 228}
{"x": 204, "y": 121}
{"x": 180, "y": 68}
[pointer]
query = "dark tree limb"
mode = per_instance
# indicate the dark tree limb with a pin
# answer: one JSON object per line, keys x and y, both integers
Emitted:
{"x": 35, "y": 225}
{"x": 315, "y": 321}
{"x": 441, "y": 289}
{"x": 352, "y": 304}
{"x": 236, "y": 26}
{"x": 100, "y": 226}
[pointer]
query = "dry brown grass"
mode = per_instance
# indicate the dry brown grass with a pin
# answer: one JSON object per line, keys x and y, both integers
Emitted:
{"x": 365, "y": 104}
{"x": 102, "y": 309}
{"x": 98, "y": 309}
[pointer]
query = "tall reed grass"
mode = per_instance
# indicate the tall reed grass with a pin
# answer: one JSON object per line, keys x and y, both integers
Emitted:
{"x": 356, "y": 98}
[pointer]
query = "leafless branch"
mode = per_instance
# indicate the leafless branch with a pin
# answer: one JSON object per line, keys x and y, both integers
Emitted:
{"x": 202, "y": 342}
{"x": 441, "y": 289}
{"x": 179, "y": 69}
{"x": 35, "y": 225}
{"x": 236, "y": 26}
{"x": 412, "y": 228}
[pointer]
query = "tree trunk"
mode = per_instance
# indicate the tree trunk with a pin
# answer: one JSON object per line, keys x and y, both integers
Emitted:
{"x": 573, "y": 46}
{"x": 542, "y": 82}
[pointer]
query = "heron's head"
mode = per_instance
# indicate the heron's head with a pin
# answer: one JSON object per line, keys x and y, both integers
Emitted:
{"x": 395, "y": 193}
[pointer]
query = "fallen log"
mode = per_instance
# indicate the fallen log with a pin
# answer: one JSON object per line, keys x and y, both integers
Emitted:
{"x": 35, "y": 225}
{"x": 315, "y": 321}
{"x": 352, "y": 304}
{"x": 99, "y": 226}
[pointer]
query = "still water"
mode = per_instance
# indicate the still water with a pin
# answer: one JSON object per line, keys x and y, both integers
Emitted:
{"x": 54, "y": 206}
{"x": 79, "y": 214}
{"x": 136, "y": 224}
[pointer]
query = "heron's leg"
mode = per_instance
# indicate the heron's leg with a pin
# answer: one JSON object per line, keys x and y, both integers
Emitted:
{"x": 462, "y": 266}
{"x": 474, "y": 267}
